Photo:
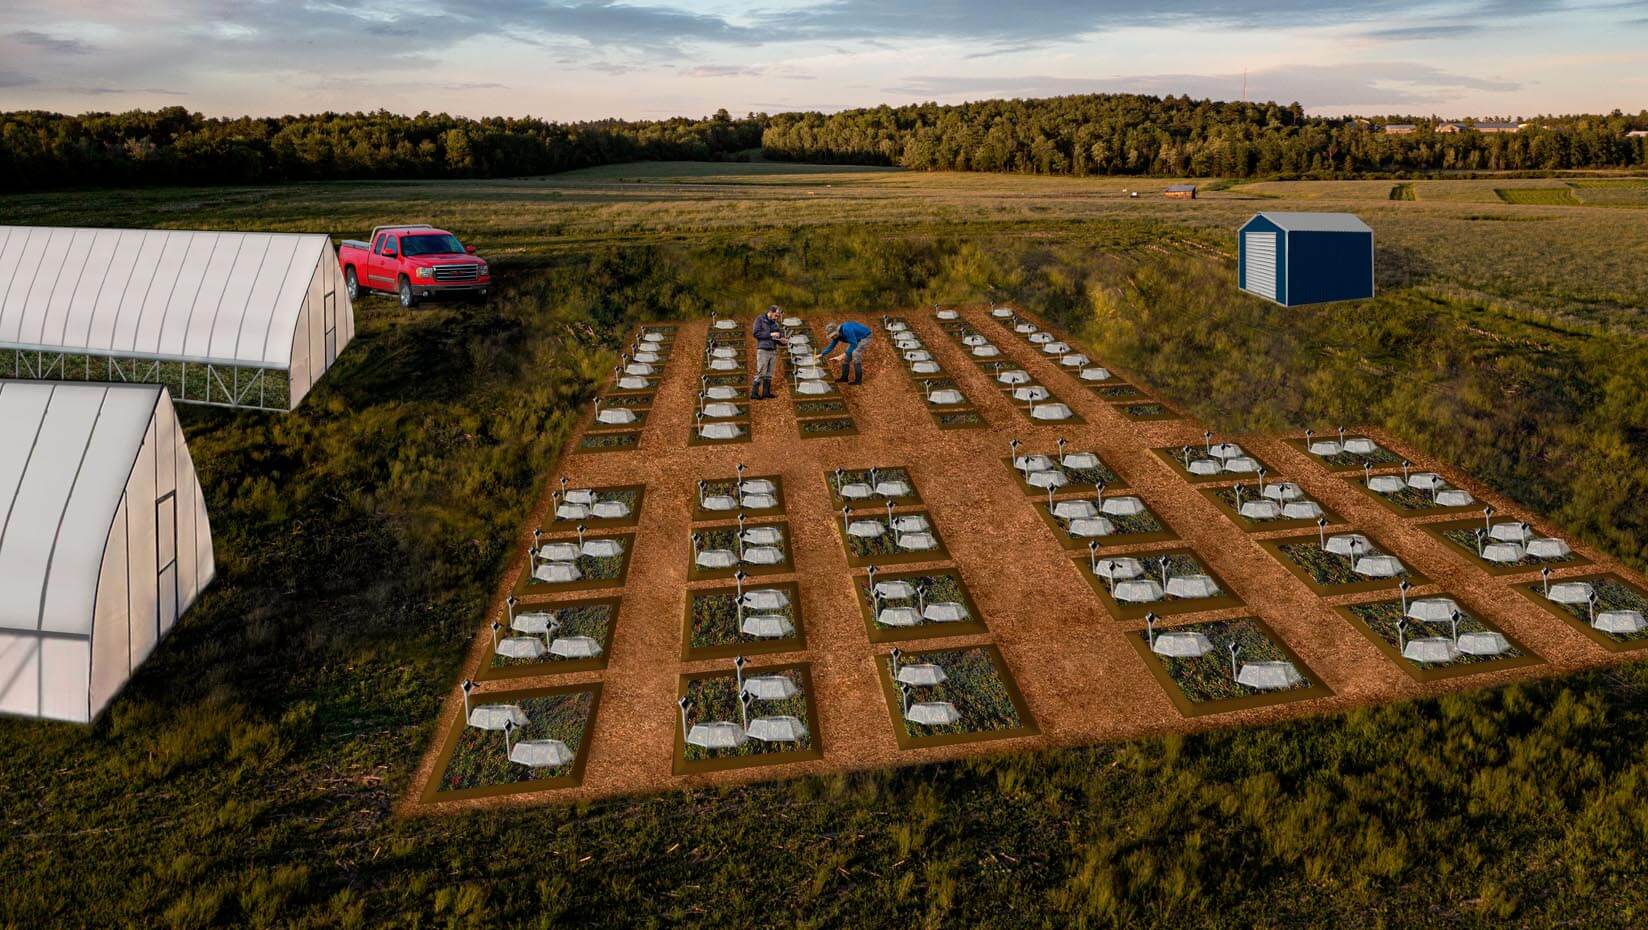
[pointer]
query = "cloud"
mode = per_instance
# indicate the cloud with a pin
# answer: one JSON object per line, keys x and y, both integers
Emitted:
{"x": 1314, "y": 86}
{"x": 16, "y": 79}
{"x": 1022, "y": 21}
{"x": 50, "y": 43}
{"x": 716, "y": 71}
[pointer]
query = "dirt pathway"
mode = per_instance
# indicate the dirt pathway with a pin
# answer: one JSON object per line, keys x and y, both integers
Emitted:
{"x": 1080, "y": 677}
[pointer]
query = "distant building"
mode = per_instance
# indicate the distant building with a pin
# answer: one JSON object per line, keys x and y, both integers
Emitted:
{"x": 1450, "y": 128}
{"x": 1400, "y": 129}
{"x": 1637, "y": 134}
{"x": 1495, "y": 126}
{"x": 1180, "y": 192}
{"x": 1305, "y": 258}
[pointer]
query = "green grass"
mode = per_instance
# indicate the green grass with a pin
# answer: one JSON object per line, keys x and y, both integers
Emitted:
{"x": 826, "y": 426}
{"x": 1118, "y": 392}
{"x": 479, "y": 759}
{"x": 609, "y": 440}
{"x": 1381, "y": 617}
{"x": 1538, "y": 196}
{"x": 971, "y": 684}
{"x": 1209, "y": 678}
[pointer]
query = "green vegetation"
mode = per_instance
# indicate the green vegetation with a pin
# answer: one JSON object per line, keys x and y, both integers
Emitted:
{"x": 1116, "y": 392}
{"x": 1539, "y": 196}
{"x": 599, "y": 441}
{"x": 478, "y": 759}
{"x": 1128, "y": 134}
{"x": 248, "y": 774}
{"x": 717, "y": 699}
{"x": 1381, "y": 618}
{"x": 1210, "y": 677}
{"x": 826, "y": 426}
{"x": 862, "y": 476}
{"x": 813, "y": 408}
{"x": 972, "y": 684}
{"x": 1402, "y": 192}
{"x": 1380, "y": 456}
{"x": 930, "y": 589}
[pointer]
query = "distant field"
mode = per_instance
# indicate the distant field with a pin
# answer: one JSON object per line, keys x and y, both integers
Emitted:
{"x": 1538, "y": 196}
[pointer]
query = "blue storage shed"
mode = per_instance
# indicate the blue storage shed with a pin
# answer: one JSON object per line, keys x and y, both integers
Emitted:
{"x": 1305, "y": 258}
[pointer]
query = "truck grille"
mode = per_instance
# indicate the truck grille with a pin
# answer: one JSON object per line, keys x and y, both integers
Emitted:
{"x": 457, "y": 272}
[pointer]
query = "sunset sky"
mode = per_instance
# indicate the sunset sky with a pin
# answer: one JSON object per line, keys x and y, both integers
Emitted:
{"x": 581, "y": 60}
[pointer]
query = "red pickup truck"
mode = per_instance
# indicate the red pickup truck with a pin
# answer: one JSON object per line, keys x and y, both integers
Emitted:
{"x": 412, "y": 262}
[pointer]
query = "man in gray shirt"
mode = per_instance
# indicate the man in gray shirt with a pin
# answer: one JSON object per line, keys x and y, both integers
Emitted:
{"x": 767, "y": 333}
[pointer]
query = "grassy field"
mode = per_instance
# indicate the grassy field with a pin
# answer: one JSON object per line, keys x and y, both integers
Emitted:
{"x": 248, "y": 774}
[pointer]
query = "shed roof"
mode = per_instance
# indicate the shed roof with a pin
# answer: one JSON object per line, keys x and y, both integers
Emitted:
{"x": 66, "y": 453}
{"x": 229, "y": 298}
{"x": 1316, "y": 222}
{"x": 1179, "y": 188}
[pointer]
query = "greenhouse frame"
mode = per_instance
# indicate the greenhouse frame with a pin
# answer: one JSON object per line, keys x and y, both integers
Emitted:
{"x": 104, "y": 540}
{"x": 233, "y": 319}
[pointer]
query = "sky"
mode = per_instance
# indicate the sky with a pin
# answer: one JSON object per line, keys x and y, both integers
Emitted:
{"x": 588, "y": 59}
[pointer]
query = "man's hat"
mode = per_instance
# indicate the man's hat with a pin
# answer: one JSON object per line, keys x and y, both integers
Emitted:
{"x": 831, "y": 330}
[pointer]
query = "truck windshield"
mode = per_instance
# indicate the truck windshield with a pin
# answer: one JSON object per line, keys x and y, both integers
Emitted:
{"x": 430, "y": 245}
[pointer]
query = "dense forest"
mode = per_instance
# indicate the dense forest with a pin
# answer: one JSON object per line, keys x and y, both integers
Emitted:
{"x": 1099, "y": 134}
{"x": 1094, "y": 134}
{"x": 40, "y": 151}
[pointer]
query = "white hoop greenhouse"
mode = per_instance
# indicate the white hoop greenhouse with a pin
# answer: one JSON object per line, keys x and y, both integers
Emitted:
{"x": 228, "y": 318}
{"x": 104, "y": 540}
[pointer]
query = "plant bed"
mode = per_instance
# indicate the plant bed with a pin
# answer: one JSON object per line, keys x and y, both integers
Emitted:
{"x": 1172, "y": 456}
{"x": 819, "y": 427}
{"x": 726, "y": 537}
{"x": 1377, "y": 621}
{"x": 1409, "y": 502}
{"x": 1461, "y": 536}
{"x": 1225, "y": 499}
{"x": 639, "y": 423}
{"x": 1380, "y": 457}
{"x": 1080, "y": 480}
{"x": 594, "y": 443}
{"x": 595, "y": 573}
{"x": 966, "y": 418}
{"x": 1613, "y": 591}
{"x": 712, "y": 628}
{"x": 978, "y": 685}
{"x": 1179, "y": 563}
{"x": 746, "y": 432}
{"x": 729, "y": 487}
{"x": 934, "y": 587}
{"x": 1330, "y": 573}
{"x": 614, "y": 392}
{"x": 628, "y": 400}
{"x": 883, "y": 549}
{"x": 474, "y": 764}
{"x": 714, "y": 697}
{"x": 1204, "y": 685}
{"x": 820, "y": 408}
{"x": 1132, "y": 530}
{"x": 595, "y": 618}
{"x": 833, "y": 480}
{"x": 1148, "y": 411}
{"x": 631, "y": 495}
{"x": 1114, "y": 392}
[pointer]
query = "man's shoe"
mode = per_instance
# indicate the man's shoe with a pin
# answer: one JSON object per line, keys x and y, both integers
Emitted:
{"x": 755, "y": 389}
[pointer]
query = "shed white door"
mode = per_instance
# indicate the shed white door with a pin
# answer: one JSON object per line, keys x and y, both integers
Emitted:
{"x": 1261, "y": 263}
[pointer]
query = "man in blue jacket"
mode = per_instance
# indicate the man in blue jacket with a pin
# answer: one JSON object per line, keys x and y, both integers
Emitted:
{"x": 767, "y": 333}
{"x": 854, "y": 336}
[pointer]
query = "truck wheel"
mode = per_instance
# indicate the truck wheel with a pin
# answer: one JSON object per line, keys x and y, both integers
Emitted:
{"x": 408, "y": 299}
{"x": 351, "y": 283}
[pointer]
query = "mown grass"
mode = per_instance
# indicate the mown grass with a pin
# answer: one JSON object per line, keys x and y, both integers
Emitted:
{"x": 248, "y": 774}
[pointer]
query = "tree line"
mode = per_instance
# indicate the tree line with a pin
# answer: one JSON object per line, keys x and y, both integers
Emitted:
{"x": 1127, "y": 134}
{"x": 40, "y": 150}
{"x": 1095, "y": 134}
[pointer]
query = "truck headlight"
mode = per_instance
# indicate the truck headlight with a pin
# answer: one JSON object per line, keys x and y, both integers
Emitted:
{"x": 425, "y": 272}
